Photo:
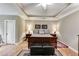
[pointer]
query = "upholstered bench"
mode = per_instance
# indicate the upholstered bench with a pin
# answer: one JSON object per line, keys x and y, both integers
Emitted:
{"x": 41, "y": 49}
{"x": 36, "y": 49}
{"x": 48, "y": 49}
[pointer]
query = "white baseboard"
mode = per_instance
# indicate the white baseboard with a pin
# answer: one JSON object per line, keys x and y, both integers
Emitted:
{"x": 20, "y": 39}
{"x": 18, "y": 43}
{"x": 73, "y": 49}
{"x": 69, "y": 47}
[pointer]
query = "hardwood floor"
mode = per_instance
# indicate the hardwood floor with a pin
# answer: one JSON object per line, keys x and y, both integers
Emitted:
{"x": 64, "y": 50}
{"x": 67, "y": 52}
{"x": 61, "y": 45}
{"x": 14, "y": 50}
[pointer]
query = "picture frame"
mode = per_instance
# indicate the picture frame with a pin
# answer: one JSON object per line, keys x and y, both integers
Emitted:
{"x": 44, "y": 26}
{"x": 37, "y": 26}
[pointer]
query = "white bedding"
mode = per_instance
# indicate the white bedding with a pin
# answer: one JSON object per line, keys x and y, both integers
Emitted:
{"x": 41, "y": 35}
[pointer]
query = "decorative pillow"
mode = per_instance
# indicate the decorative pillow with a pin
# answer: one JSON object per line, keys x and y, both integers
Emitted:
{"x": 36, "y": 32}
{"x": 46, "y": 32}
{"x": 41, "y": 31}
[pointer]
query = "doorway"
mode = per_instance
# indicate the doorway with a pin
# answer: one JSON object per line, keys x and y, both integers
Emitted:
{"x": 7, "y": 32}
{"x": 2, "y": 32}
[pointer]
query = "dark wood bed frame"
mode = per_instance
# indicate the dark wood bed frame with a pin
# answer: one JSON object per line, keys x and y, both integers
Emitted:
{"x": 50, "y": 40}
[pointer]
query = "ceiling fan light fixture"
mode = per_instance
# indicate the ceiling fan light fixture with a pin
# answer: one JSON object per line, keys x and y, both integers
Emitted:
{"x": 44, "y": 5}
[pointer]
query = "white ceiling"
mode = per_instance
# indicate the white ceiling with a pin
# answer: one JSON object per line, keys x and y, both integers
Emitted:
{"x": 8, "y": 9}
{"x": 52, "y": 11}
{"x": 34, "y": 11}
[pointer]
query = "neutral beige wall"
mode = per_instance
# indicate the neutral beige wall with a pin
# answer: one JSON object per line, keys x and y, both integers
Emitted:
{"x": 20, "y": 28}
{"x": 49, "y": 23}
{"x": 69, "y": 29}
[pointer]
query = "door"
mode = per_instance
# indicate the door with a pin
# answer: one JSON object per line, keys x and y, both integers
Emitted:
{"x": 7, "y": 31}
{"x": 1, "y": 32}
{"x": 10, "y": 28}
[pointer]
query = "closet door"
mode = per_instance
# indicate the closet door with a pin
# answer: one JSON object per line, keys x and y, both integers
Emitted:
{"x": 10, "y": 28}
{"x": 1, "y": 32}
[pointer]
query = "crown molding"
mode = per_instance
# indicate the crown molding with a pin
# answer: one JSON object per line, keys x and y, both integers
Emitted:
{"x": 62, "y": 14}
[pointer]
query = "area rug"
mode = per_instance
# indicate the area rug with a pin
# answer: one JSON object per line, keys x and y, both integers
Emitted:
{"x": 61, "y": 45}
{"x": 27, "y": 53}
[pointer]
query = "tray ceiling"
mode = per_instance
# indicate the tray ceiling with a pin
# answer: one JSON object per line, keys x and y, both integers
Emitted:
{"x": 36, "y": 10}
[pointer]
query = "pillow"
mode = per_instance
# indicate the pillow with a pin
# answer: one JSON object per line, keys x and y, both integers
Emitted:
{"x": 46, "y": 32}
{"x": 41, "y": 31}
{"x": 36, "y": 32}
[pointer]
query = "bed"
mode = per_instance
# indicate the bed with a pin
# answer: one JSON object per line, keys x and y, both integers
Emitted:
{"x": 42, "y": 38}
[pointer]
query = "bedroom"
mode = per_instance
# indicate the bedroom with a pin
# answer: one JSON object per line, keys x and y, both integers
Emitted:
{"x": 56, "y": 18}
